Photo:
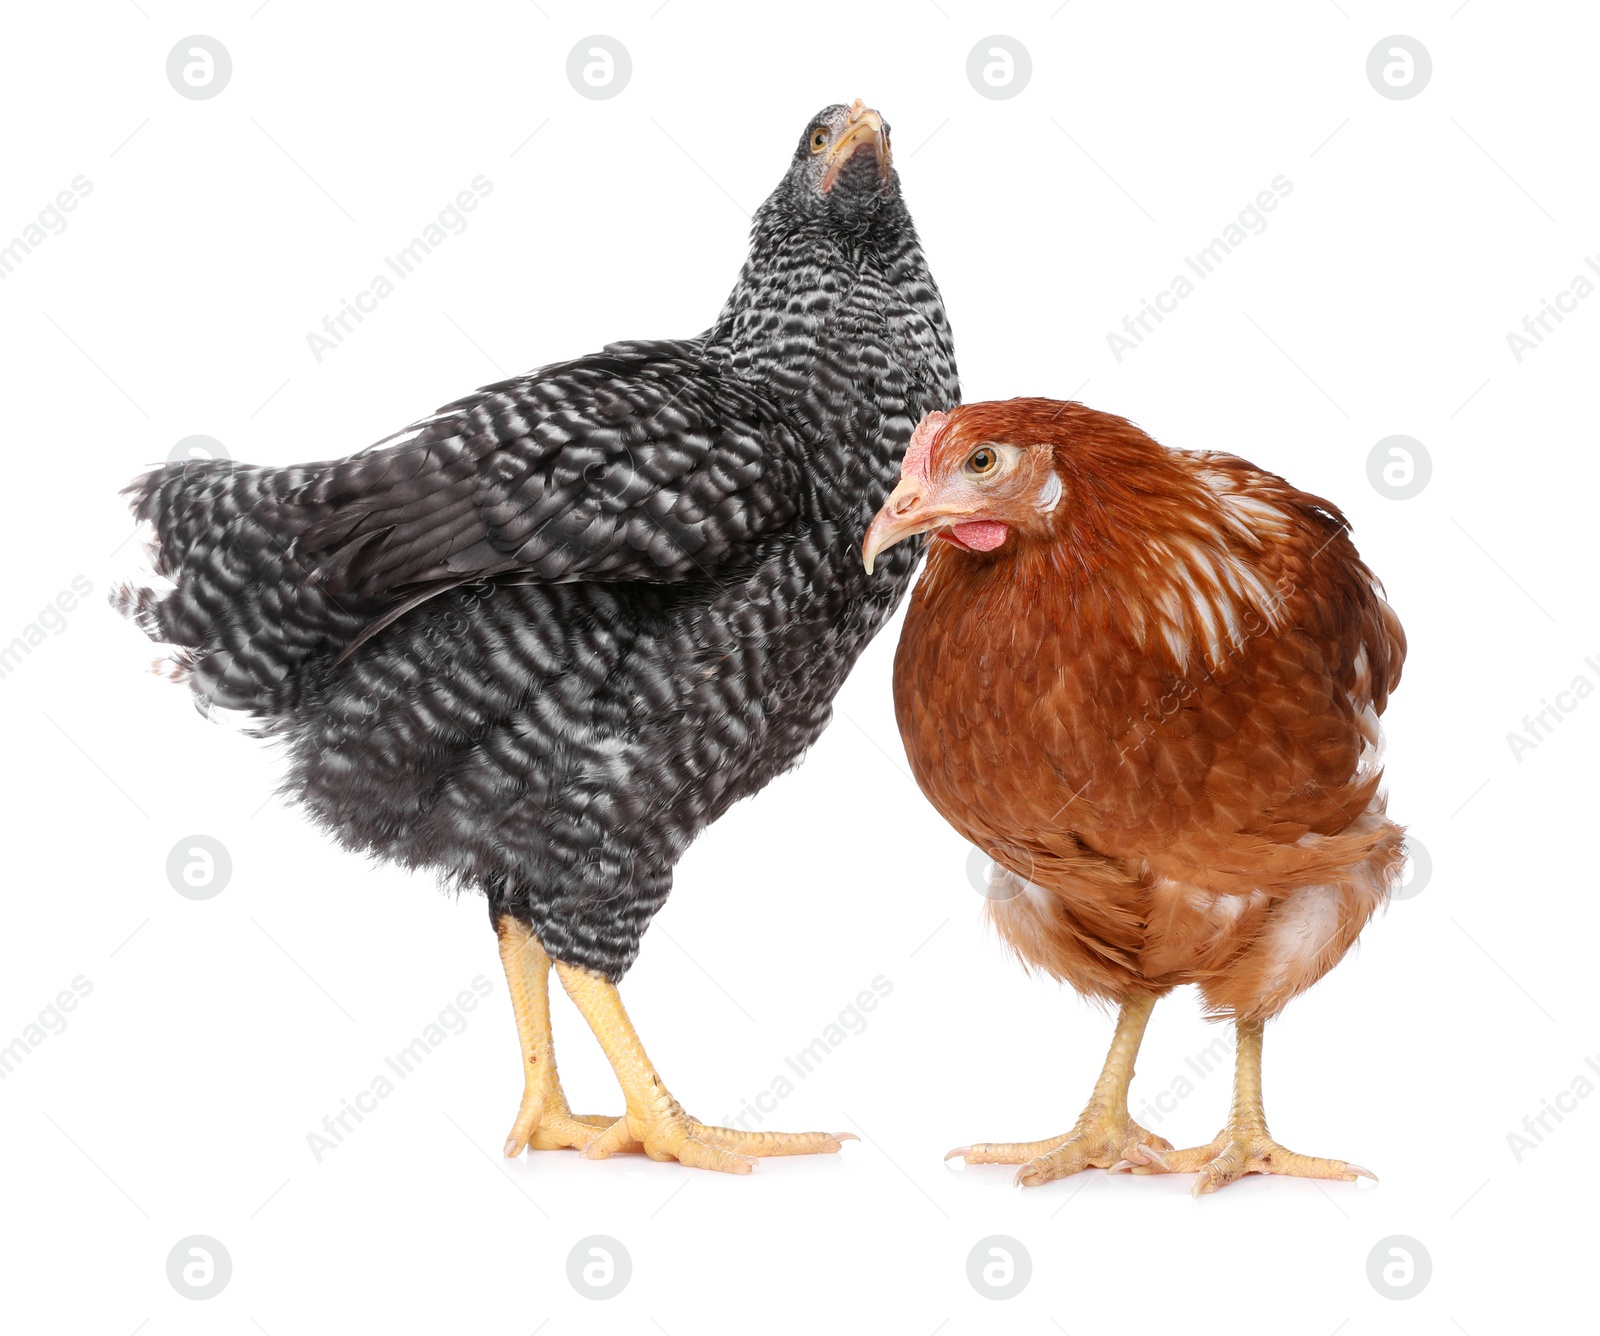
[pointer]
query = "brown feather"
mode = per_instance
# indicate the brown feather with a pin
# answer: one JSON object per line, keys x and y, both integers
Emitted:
{"x": 1158, "y": 711}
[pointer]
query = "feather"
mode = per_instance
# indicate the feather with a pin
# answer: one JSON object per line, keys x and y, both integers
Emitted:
{"x": 543, "y": 637}
{"x": 1165, "y": 688}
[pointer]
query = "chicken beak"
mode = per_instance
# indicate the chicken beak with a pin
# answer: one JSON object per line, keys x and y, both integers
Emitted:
{"x": 864, "y": 127}
{"x": 905, "y": 514}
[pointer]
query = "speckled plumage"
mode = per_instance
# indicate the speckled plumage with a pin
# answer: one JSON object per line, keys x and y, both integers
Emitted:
{"x": 627, "y": 585}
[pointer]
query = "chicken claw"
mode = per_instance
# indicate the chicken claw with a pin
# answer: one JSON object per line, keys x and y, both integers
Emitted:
{"x": 1104, "y": 1136}
{"x": 1101, "y": 1139}
{"x": 655, "y": 1122}
{"x": 671, "y": 1134}
{"x": 1238, "y": 1151}
{"x": 556, "y": 1129}
{"x": 1244, "y": 1146}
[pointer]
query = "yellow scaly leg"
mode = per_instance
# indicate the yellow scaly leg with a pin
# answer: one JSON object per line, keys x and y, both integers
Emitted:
{"x": 655, "y": 1122}
{"x": 1244, "y": 1146}
{"x": 1104, "y": 1134}
{"x": 544, "y": 1121}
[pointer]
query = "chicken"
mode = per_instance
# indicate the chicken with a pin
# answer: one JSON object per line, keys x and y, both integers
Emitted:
{"x": 540, "y": 640}
{"x": 1148, "y": 681}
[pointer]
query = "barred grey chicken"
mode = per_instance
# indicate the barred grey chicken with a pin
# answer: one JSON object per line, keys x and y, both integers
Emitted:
{"x": 540, "y": 640}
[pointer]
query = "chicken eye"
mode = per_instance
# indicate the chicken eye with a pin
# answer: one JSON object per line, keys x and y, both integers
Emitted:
{"x": 982, "y": 460}
{"x": 819, "y": 139}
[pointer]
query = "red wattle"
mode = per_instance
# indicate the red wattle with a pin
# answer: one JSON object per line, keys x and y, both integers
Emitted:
{"x": 975, "y": 535}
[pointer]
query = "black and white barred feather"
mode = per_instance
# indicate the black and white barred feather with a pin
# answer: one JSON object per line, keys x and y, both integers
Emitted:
{"x": 543, "y": 638}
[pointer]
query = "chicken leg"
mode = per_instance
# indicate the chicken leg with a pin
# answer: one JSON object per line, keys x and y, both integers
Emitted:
{"x": 1244, "y": 1146}
{"x": 1104, "y": 1133}
{"x": 544, "y": 1121}
{"x": 655, "y": 1122}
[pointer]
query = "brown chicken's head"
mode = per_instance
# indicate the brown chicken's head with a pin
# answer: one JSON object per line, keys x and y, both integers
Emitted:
{"x": 976, "y": 476}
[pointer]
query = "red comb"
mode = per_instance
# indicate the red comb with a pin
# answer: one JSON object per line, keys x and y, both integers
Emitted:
{"x": 919, "y": 453}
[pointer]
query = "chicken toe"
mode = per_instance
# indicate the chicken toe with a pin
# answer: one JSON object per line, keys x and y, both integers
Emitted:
{"x": 1240, "y": 1150}
{"x": 1104, "y": 1135}
{"x": 1244, "y": 1146}
{"x": 655, "y": 1123}
{"x": 1101, "y": 1139}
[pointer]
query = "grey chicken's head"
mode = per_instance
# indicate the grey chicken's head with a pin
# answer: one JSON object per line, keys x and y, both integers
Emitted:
{"x": 842, "y": 172}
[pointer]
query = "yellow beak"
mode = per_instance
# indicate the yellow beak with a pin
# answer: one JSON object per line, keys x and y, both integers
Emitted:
{"x": 906, "y": 513}
{"x": 864, "y": 127}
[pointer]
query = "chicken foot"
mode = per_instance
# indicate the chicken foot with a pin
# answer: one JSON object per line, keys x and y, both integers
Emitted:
{"x": 1244, "y": 1146}
{"x": 543, "y": 1121}
{"x": 655, "y": 1122}
{"x": 1104, "y": 1134}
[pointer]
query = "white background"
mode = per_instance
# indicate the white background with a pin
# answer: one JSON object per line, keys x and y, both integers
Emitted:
{"x": 219, "y": 1033}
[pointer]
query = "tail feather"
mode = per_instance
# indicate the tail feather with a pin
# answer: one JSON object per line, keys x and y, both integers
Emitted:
{"x": 249, "y": 623}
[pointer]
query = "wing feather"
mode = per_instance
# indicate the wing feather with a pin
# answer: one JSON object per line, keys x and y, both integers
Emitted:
{"x": 641, "y": 462}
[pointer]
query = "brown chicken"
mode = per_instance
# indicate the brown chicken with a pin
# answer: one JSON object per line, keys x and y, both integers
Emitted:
{"x": 1147, "y": 682}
